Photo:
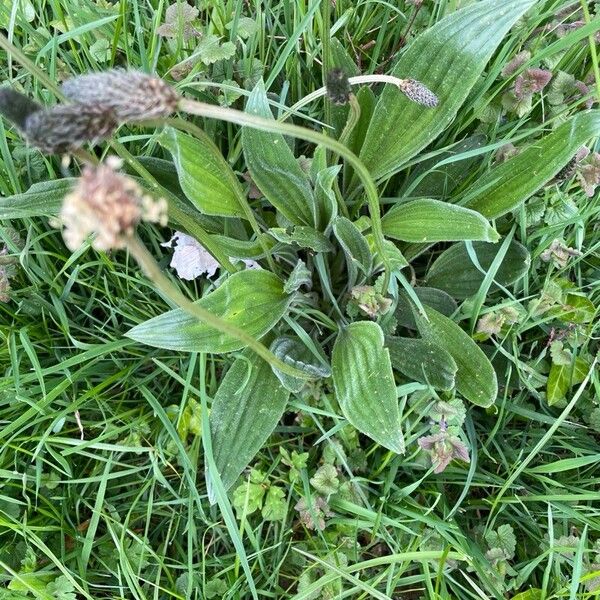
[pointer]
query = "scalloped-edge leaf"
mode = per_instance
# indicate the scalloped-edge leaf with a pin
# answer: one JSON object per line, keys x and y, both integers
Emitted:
{"x": 449, "y": 59}
{"x": 475, "y": 377}
{"x": 253, "y": 300}
{"x": 427, "y": 220}
{"x": 510, "y": 183}
{"x": 364, "y": 384}
{"x": 246, "y": 409}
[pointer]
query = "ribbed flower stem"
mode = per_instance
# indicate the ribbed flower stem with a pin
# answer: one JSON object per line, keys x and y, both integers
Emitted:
{"x": 162, "y": 282}
{"x": 241, "y": 118}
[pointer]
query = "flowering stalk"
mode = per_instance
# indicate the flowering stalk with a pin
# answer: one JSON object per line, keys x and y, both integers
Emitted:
{"x": 401, "y": 84}
{"x": 162, "y": 282}
{"x": 231, "y": 115}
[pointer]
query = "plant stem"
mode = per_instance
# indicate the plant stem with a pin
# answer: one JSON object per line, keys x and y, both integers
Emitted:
{"x": 162, "y": 282}
{"x": 240, "y": 118}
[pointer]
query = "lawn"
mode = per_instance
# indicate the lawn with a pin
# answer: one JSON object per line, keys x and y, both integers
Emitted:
{"x": 299, "y": 300}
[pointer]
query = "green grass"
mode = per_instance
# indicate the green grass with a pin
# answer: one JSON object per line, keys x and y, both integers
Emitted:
{"x": 124, "y": 513}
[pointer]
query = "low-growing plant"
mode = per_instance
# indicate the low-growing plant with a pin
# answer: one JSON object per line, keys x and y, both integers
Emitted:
{"x": 341, "y": 269}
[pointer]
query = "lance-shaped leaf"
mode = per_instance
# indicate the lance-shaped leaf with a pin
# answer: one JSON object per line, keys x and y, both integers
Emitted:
{"x": 204, "y": 175}
{"x": 252, "y": 300}
{"x": 437, "y": 299}
{"x": 435, "y": 221}
{"x": 246, "y": 409}
{"x": 454, "y": 272}
{"x": 422, "y": 361}
{"x": 364, "y": 384}
{"x": 449, "y": 59}
{"x": 41, "y": 199}
{"x": 273, "y": 167}
{"x": 510, "y": 183}
{"x": 475, "y": 376}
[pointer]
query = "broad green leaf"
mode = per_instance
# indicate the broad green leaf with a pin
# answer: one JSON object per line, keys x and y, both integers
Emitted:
{"x": 475, "y": 376}
{"x": 562, "y": 377}
{"x": 355, "y": 247}
{"x": 293, "y": 352}
{"x": 437, "y": 177}
{"x": 449, "y": 59}
{"x": 437, "y": 299}
{"x": 422, "y": 361}
{"x": 364, "y": 384}
{"x": 253, "y": 300}
{"x": 435, "y": 221}
{"x": 510, "y": 183}
{"x": 41, "y": 199}
{"x": 205, "y": 177}
{"x": 454, "y": 272}
{"x": 246, "y": 409}
{"x": 274, "y": 168}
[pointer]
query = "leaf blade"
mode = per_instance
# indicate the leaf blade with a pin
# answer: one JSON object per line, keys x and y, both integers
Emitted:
{"x": 427, "y": 220}
{"x": 448, "y": 58}
{"x": 253, "y": 300}
{"x": 364, "y": 384}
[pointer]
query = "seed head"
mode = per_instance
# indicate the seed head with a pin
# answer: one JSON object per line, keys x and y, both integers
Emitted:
{"x": 338, "y": 86}
{"x": 109, "y": 206}
{"x": 68, "y": 126}
{"x": 16, "y": 107}
{"x": 418, "y": 92}
{"x": 132, "y": 95}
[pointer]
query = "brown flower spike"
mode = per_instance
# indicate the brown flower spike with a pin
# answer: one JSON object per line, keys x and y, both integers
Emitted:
{"x": 131, "y": 95}
{"x": 109, "y": 206}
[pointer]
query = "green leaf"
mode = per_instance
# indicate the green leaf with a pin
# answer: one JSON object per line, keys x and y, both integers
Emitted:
{"x": 436, "y": 221}
{"x": 325, "y": 196}
{"x": 454, "y": 272}
{"x": 449, "y": 59}
{"x": 437, "y": 299}
{"x": 252, "y": 300}
{"x": 300, "y": 276}
{"x": 275, "y": 506}
{"x": 355, "y": 247}
{"x": 303, "y": 236}
{"x": 41, "y": 199}
{"x": 205, "y": 177}
{"x": 246, "y": 409}
{"x": 437, "y": 178}
{"x": 510, "y": 183}
{"x": 293, "y": 352}
{"x": 210, "y": 49}
{"x": 562, "y": 377}
{"x": 274, "y": 168}
{"x": 364, "y": 384}
{"x": 475, "y": 376}
{"x": 422, "y": 361}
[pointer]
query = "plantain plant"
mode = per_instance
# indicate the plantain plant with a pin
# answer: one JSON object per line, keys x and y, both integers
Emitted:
{"x": 363, "y": 256}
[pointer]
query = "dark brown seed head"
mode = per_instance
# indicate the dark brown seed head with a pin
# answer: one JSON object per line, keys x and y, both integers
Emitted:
{"x": 68, "y": 126}
{"x": 16, "y": 107}
{"x": 418, "y": 92}
{"x": 132, "y": 95}
{"x": 338, "y": 86}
